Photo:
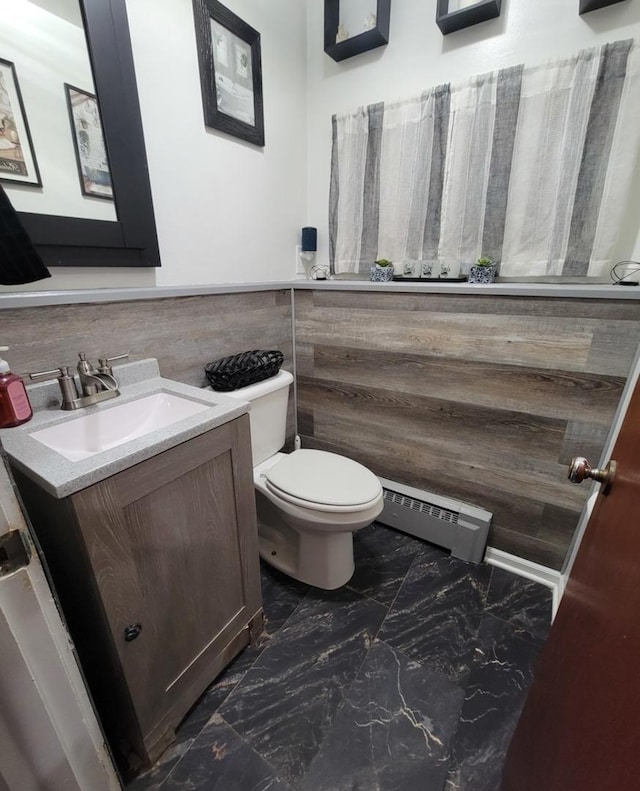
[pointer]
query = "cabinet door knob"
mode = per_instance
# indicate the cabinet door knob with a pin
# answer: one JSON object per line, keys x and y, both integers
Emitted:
{"x": 132, "y": 631}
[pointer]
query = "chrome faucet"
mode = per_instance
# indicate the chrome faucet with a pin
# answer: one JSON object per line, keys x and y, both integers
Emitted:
{"x": 95, "y": 385}
{"x": 92, "y": 381}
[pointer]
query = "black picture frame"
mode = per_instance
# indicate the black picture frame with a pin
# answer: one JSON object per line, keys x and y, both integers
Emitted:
{"x": 230, "y": 72}
{"x": 363, "y": 42}
{"x": 88, "y": 143}
{"x": 21, "y": 167}
{"x": 450, "y": 21}
{"x": 594, "y": 5}
{"x": 130, "y": 241}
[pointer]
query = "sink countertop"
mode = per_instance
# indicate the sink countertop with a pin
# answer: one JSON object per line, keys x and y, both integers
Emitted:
{"x": 61, "y": 477}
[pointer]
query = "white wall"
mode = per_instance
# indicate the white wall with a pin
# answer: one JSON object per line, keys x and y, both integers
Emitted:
{"x": 230, "y": 212}
{"x": 418, "y": 56}
{"x": 226, "y": 211}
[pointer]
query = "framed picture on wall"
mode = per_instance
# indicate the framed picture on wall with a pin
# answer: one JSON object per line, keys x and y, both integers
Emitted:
{"x": 355, "y": 26}
{"x": 17, "y": 157}
{"x": 593, "y": 5}
{"x": 230, "y": 72}
{"x": 89, "y": 145}
{"x": 454, "y": 15}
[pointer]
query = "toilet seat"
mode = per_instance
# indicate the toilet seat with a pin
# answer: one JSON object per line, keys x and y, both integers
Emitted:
{"x": 323, "y": 481}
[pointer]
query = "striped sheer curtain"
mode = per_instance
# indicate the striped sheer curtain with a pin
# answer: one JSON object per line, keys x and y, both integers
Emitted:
{"x": 530, "y": 166}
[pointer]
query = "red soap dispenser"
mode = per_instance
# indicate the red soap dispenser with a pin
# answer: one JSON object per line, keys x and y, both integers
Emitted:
{"x": 14, "y": 401}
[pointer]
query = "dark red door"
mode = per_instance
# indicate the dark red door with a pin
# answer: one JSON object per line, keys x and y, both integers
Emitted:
{"x": 580, "y": 727}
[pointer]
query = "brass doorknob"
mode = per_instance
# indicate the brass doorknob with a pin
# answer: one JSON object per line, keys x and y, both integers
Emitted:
{"x": 581, "y": 469}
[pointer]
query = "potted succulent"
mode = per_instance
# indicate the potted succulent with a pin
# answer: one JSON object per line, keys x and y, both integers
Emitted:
{"x": 382, "y": 270}
{"x": 483, "y": 271}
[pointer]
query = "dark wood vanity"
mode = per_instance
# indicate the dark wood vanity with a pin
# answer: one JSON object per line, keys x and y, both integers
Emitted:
{"x": 157, "y": 574}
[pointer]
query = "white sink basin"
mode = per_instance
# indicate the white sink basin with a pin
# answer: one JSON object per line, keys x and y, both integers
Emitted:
{"x": 84, "y": 436}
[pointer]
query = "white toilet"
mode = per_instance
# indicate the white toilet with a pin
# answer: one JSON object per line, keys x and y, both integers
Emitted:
{"x": 309, "y": 502}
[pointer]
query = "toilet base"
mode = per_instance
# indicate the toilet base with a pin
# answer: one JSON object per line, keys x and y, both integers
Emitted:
{"x": 323, "y": 559}
{"x": 332, "y": 565}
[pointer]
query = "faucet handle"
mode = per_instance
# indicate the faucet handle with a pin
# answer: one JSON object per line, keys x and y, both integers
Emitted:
{"x": 55, "y": 373}
{"x": 84, "y": 366}
{"x": 103, "y": 363}
{"x": 66, "y": 381}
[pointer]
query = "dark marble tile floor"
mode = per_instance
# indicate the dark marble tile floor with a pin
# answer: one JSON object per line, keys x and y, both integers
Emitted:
{"x": 410, "y": 677}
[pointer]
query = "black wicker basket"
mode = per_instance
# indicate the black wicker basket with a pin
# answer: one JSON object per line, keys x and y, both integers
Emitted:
{"x": 240, "y": 370}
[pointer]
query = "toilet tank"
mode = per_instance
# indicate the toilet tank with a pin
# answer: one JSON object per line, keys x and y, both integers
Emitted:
{"x": 269, "y": 400}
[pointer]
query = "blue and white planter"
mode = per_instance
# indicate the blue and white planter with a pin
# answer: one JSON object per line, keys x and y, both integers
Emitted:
{"x": 381, "y": 274}
{"x": 482, "y": 274}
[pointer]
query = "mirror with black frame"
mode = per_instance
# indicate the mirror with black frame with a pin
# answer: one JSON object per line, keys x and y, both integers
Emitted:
{"x": 76, "y": 174}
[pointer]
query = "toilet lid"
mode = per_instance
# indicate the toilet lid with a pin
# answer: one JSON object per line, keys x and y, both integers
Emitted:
{"x": 325, "y": 478}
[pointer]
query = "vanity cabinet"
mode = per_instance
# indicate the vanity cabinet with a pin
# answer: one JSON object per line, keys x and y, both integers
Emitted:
{"x": 156, "y": 569}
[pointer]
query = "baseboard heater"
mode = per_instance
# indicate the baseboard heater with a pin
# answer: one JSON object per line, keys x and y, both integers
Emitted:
{"x": 452, "y": 524}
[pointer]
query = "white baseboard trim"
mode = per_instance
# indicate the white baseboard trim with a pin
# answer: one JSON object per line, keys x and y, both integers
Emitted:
{"x": 526, "y": 568}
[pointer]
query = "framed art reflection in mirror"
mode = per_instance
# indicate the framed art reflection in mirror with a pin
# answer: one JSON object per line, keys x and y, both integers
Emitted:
{"x": 17, "y": 157}
{"x": 89, "y": 145}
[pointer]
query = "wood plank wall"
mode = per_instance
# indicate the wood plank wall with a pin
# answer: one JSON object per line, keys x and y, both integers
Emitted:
{"x": 481, "y": 398}
{"x": 183, "y": 333}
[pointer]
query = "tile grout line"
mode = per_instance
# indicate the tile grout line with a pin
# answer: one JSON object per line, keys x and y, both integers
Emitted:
{"x": 404, "y": 579}
{"x": 349, "y": 687}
